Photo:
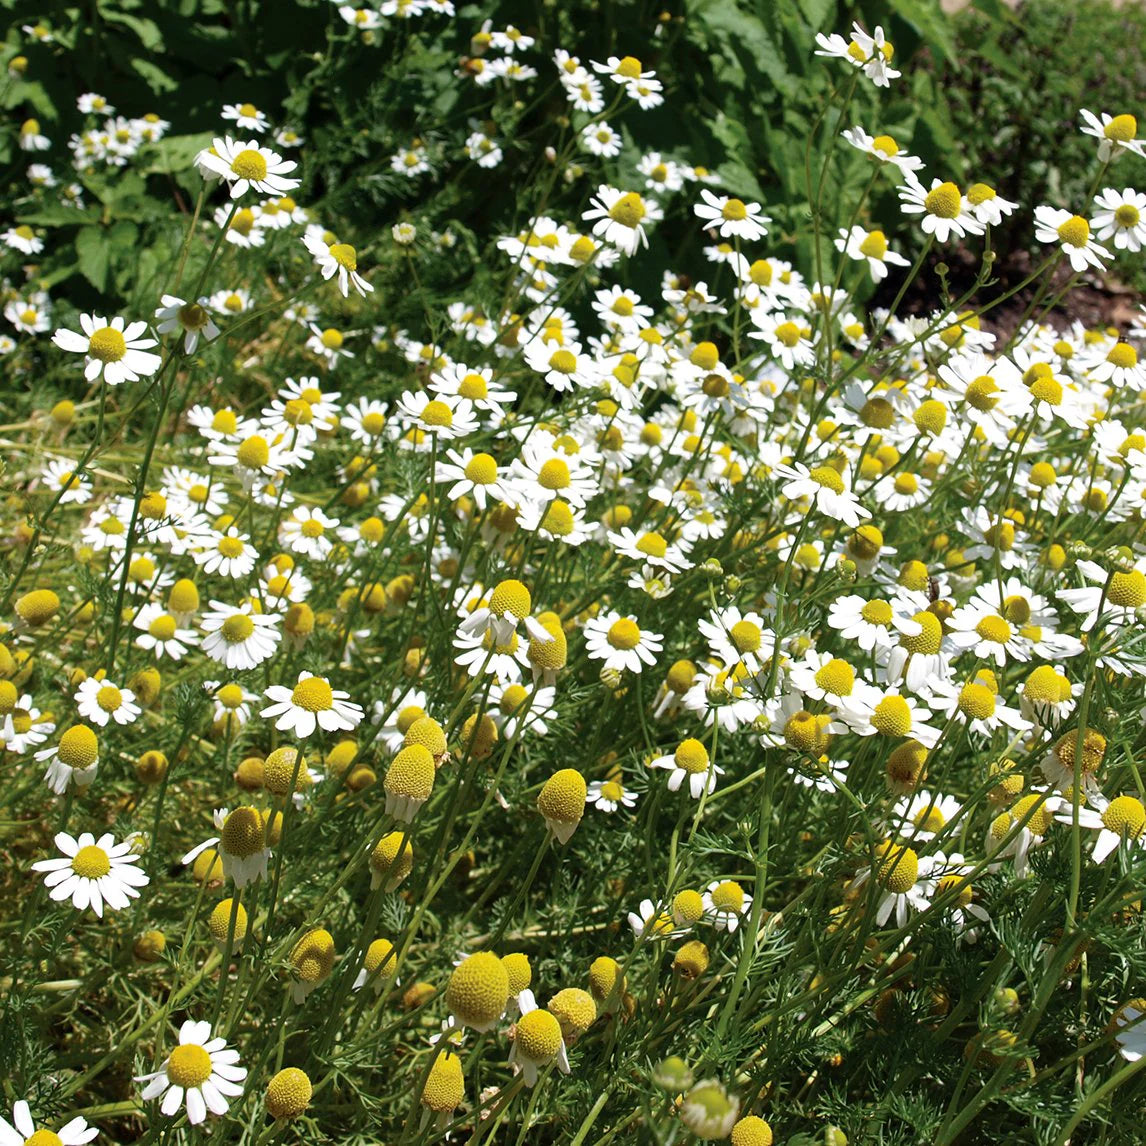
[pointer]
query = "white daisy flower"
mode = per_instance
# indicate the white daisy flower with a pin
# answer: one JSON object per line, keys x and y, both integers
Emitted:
{"x": 339, "y": 259}
{"x": 113, "y": 349}
{"x": 621, "y": 643}
{"x": 22, "y": 1130}
{"x": 100, "y": 701}
{"x": 93, "y": 872}
{"x": 200, "y": 1073}
{"x": 248, "y": 166}
{"x": 239, "y": 638}
{"x": 311, "y": 704}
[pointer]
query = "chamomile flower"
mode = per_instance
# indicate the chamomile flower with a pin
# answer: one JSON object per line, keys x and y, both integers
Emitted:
{"x": 825, "y": 487}
{"x": 311, "y": 704}
{"x": 161, "y": 633}
{"x": 725, "y": 903}
{"x": 987, "y": 205}
{"x": 1119, "y": 594}
{"x": 657, "y": 921}
{"x": 201, "y": 1073}
{"x": 239, "y": 638}
{"x": 731, "y": 218}
{"x": 248, "y": 166}
{"x": 100, "y": 701}
{"x": 92, "y": 873}
{"x": 945, "y": 211}
{"x": 59, "y": 474}
{"x": 22, "y": 1129}
{"x": 619, "y": 217}
{"x": 1072, "y": 234}
{"x": 1116, "y": 134}
{"x": 537, "y": 1040}
{"x": 339, "y": 259}
{"x": 113, "y": 349}
{"x": 882, "y": 148}
{"x": 860, "y": 244}
{"x": 1120, "y": 820}
{"x": 308, "y": 531}
{"x": 621, "y": 643}
{"x": 72, "y": 760}
{"x": 690, "y": 763}
{"x": 791, "y": 343}
{"x": 873, "y": 53}
{"x": 473, "y": 475}
{"x": 445, "y": 418}
{"x": 610, "y": 794}
{"x": 246, "y": 116}
{"x": 191, "y": 318}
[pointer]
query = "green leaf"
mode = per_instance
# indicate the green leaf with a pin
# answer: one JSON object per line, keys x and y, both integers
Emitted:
{"x": 816, "y": 12}
{"x": 175, "y": 153}
{"x": 58, "y": 215}
{"x": 157, "y": 79}
{"x": 147, "y": 31}
{"x": 93, "y": 254}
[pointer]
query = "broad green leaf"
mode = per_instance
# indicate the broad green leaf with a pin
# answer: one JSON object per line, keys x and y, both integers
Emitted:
{"x": 93, "y": 255}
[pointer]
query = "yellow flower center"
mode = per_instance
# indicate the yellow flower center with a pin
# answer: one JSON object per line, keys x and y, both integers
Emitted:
{"x": 554, "y": 474}
{"x": 254, "y": 453}
{"x": 331, "y": 338}
{"x": 828, "y": 478}
{"x": 652, "y": 544}
{"x": 1127, "y": 590}
{"x": 982, "y": 393}
{"x": 1125, "y": 816}
{"x": 892, "y": 717}
{"x": 78, "y": 747}
{"x": 312, "y": 528}
{"x": 237, "y": 628}
{"x": 980, "y": 193}
{"x": 885, "y": 145}
{"x": 906, "y": 483}
{"x": 728, "y": 896}
{"x": 189, "y": 1066}
{"x": 298, "y": 412}
{"x": 248, "y": 111}
{"x": 628, "y": 210}
{"x": 788, "y": 333}
{"x": 481, "y": 469}
{"x": 563, "y": 361}
{"x": 163, "y": 627}
{"x": 1127, "y": 215}
{"x": 1075, "y": 231}
{"x": 692, "y": 756}
{"x": 1047, "y": 389}
{"x": 734, "y": 210}
{"x": 977, "y": 701}
{"x": 473, "y": 386}
{"x": 613, "y": 791}
{"x": 91, "y": 862}
{"x": 538, "y": 1035}
{"x": 944, "y": 201}
{"x": 313, "y": 694}
{"x": 1123, "y": 355}
{"x": 109, "y": 698}
{"x": 878, "y": 413}
{"x": 1041, "y": 818}
{"x": 837, "y": 677}
{"x": 230, "y": 547}
{"x": 877, "y": 612}
{"x": 745, "y": 636}
{"x": 193, "y": 317}
{"x": 558, "y": 518}
{"x": 624, "y": 634}
{"x": 44, "y": 1138}
{"x": 994, "y": 629}
{"x": 510, "y": 597}
{"x": 345, "y": 256}
{"x": 630, "y": 68}
{"x": 1121, "y": 129}
{"x": 437, "y": 413}
{"x": 898, "y": 868}
{"x": 250, "y": 165}
{"x": 107, "y": 345}
{"x": 874, "y": 245}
